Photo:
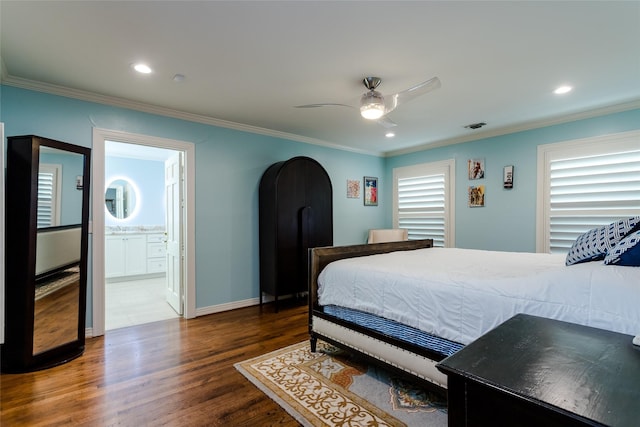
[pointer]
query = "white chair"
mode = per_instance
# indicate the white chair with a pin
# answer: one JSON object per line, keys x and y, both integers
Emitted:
{"x": 388, "y": 235}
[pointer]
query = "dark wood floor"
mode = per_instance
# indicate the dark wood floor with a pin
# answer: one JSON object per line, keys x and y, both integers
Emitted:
{"x": 175, "y": 372}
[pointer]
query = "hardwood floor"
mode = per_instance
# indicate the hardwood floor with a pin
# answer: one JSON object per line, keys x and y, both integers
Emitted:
{"x": 174, "y": 372}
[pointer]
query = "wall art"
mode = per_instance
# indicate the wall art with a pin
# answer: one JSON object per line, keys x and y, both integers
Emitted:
{"x": 476, "y": 196}
{"x": 370, "y": 191}
{"x": 475, "y": 168}
{"x": 508, "y": 177}
{"x": 353, "y": 189}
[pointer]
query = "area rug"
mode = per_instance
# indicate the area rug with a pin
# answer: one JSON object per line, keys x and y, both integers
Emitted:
{"x": 333, "y": 388}
{"x": 57, "y": 282}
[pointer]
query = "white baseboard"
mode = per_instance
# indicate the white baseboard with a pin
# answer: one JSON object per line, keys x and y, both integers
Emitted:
{"x": 218, "y": 308}
{"x": 203, "y": 311}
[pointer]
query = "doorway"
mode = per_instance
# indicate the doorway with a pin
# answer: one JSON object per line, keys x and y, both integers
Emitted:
{"x": 180, "y": 268}
{"x": 143, "y": 200}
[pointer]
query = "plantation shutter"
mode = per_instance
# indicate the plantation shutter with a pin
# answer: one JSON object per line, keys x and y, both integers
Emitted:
{"x": 47, "y": 214}
{"x": 588, "y": 191}
{"x": 422, "y": 200}
{"x": 421, "y": 207}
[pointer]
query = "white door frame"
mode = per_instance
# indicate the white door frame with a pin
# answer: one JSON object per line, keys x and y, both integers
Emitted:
{"x": 2, "y": 231}
{"x": 97, "y": 227}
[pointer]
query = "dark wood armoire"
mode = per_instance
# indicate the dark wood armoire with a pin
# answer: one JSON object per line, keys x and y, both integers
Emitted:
{"x": 296, "y": 213}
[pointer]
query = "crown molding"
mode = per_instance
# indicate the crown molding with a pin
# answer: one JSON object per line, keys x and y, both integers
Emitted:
{"x": 3, "y": 69}
{"x": 163, "y": 111}
{"x": 82, "y": 95}
{"x": 587, "y": 114}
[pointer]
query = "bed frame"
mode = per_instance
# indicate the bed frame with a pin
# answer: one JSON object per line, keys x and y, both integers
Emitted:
{"x": 57, "y": 248}
{"x": 383, "y": 349}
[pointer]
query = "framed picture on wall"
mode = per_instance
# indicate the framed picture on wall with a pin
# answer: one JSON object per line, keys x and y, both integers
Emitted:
{"x": 476, "y": 196}
{"x": 353, "y": 189}
{"x": 370, "y": 191}
{"x": 476, "y": 168}
{"x": 508, "y": 177}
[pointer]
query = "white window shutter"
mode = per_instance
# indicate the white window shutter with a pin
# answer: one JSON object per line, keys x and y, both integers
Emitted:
{"x": 48, "y": 188}
{"x": 589, "y": 185}
{"x": 422, "y": 201}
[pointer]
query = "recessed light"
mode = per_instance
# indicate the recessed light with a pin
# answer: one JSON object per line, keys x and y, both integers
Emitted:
{"x": 562, "y": 90}
{"x": 389, "y": 134}
{"x": 142, "y": 68}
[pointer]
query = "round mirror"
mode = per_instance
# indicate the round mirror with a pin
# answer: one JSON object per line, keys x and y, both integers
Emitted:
{"x": 120, "y": 198}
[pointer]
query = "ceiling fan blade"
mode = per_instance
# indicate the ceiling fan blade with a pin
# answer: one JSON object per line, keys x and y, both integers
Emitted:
{"x": 386, "y": 122}
{"x": 392, "y": 101}
{"x": 323, "y": 105}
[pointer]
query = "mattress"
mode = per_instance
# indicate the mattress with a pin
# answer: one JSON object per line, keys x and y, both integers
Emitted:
{"x": 394, "y": 329}
{"x": 459, "y": 294}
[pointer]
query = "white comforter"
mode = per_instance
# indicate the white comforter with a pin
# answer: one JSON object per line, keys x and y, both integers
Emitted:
{"x": 459, "y": 294}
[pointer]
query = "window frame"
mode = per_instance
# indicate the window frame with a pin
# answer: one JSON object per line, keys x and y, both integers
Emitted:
{"x": 446, "y": 167}
{"x": 605, "y": 144}
{"x": 55, "y": 170}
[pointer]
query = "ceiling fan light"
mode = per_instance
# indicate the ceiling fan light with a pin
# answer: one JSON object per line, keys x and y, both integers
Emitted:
{"x": 372, "y": 105}
{"x": 371, "y": 112}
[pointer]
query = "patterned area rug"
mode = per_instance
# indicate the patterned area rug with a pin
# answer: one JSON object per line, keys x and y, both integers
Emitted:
{"x": 332, "y": 388}
{"x": 57, "y": 282}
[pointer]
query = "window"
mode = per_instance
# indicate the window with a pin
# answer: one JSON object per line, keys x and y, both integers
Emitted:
{"x": 423, "y": 201}
{"x": 48, "y": 199}
{"x": 585, "y": 184}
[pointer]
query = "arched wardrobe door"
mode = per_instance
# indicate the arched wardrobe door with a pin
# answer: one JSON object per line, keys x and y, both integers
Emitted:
{"x": 296, "y": 213}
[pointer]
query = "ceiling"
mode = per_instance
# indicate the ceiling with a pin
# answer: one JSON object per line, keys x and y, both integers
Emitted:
{"x": 247, "y": 64}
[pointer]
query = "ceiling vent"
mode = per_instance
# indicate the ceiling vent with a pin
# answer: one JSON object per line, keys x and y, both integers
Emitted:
{"x": 475, "y": 125}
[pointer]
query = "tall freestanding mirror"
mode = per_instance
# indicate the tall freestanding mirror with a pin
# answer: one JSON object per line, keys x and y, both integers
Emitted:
{"x": 47, "y": 224}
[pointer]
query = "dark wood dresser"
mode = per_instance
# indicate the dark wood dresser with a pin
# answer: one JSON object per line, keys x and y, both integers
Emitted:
{"x": 532, "y": 371}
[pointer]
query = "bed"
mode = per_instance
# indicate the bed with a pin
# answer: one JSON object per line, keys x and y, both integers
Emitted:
{"x": 450, "y": 297}
{"x": 57, "y": 248}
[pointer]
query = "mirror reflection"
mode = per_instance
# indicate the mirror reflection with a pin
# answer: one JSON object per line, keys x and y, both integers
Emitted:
{"x": 58, "y": 249}
{"x": 60, "y": 176}
{"x": 56, "y": 310}
{"x": 120, "y": 198}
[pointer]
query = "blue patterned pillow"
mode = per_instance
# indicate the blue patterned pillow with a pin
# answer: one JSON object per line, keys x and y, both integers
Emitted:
{"x": 626, "y": 252}
{"x": 596, "y": 243}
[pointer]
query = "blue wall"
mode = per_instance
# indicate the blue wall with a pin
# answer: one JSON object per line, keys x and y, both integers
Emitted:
{"x": 229, "y": 165}
{"x": 508, "y": 220}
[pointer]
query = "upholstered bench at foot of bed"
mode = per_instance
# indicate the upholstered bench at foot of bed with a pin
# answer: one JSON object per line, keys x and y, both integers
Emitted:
{"x": 413, "y": 363}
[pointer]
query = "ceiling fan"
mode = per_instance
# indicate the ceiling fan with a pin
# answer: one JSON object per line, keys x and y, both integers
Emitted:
{"x": 375, "y": 106}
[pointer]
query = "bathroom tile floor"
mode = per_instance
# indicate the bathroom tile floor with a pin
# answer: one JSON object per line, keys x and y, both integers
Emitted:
{"x": 136, "y": 302}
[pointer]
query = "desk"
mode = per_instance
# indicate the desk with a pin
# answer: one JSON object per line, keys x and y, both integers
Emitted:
{"x": 532, "y": 371}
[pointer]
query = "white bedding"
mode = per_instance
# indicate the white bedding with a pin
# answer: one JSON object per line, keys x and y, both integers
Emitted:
{"x": 459, "y": 294}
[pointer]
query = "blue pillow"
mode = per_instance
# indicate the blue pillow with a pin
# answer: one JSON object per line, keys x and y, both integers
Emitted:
{"x": 626, "y": 252}
{"x": 595, "y": 244}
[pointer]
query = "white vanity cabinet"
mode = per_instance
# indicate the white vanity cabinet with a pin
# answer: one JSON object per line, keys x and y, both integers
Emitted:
{"x": 125, "y": 255}
{"x": 156, "y": 253}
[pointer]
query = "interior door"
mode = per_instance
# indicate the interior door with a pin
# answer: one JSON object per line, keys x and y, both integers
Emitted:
{"x": 174, "y": 210}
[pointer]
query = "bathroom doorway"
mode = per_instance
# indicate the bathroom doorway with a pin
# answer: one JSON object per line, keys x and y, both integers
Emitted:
{"x": 138, "y": 216}
{"x": 143, "y": 200}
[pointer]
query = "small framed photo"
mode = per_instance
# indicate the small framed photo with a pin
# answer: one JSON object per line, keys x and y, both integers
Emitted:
{"x": 476, "y": 168}
{"x": 353, "y": 189}
{"x": 476, "y": 196}
{"x": 370, "y": 191}
{"x": 508, "y": 177}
